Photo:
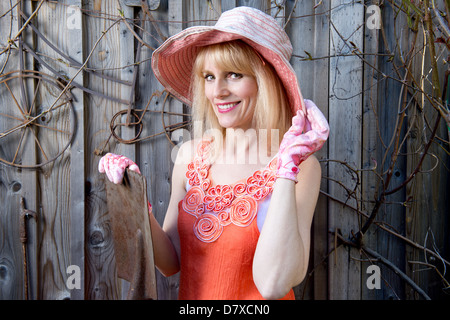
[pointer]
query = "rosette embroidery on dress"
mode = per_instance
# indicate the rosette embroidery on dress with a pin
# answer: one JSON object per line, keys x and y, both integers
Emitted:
{"x": 218, "y": 206}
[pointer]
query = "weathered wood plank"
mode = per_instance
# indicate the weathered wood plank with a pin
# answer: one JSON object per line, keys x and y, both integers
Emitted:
{"x": 369, "y": 137}
{"x": 202, "y": 13}
{"x": 319, "y": 95}
{"x": 416, "y": 215}
{"x": 101, "y": 278}
{"x": 345, "y": 110}
{"x": 16, "y": 184}
{"x": 161, "y": 158}
{"x": 263, "y": 5}
{"x": 426, "y": 217}
{"x": 55, "y": 179}
{"x": 29, "y": 185}
{"x": 313, "y": 79}
{"x": 391, "y": 96}
{"x": 77, "y": 156}
{"x": 228, "y": 5}
{"x": 127, "y": 53}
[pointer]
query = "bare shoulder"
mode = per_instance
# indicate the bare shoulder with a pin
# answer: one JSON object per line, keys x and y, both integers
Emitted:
{"x": 185, "y": 153}
{"x": 182, "y": 155}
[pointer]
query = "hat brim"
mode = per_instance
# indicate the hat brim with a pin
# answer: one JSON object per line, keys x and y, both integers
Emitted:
{"x": 173, "y": 61}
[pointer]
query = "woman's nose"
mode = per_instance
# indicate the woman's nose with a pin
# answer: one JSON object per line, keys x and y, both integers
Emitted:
{"x": 221, "y": 89}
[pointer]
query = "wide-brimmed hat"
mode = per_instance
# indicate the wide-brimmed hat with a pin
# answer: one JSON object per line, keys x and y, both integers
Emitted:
{"x": 173, "y": 61}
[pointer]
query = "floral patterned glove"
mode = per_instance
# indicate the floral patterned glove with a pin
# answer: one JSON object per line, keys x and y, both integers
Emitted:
{"x": 304, "y": 137}
{"x": 114, "y": 166}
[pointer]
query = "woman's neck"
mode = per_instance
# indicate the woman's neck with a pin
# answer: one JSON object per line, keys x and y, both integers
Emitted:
{"x": 246, "y": 147}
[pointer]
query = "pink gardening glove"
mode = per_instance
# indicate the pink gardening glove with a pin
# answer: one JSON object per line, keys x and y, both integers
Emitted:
{"x": 304, "y": 137}
{"x": 114, "y": 166}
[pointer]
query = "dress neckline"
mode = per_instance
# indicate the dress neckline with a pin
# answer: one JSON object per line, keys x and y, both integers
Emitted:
{"x": 202, "y": 155}
{"x": 217, "y": 206}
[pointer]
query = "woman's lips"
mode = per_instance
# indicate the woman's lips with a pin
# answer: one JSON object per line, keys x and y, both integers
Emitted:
{"x": 227, "y": 107}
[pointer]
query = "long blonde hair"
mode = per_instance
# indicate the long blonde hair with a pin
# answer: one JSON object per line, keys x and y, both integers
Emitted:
{"x": 272, "y": 108}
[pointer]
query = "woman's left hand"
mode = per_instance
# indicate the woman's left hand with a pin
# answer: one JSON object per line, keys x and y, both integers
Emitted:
{"x": 304, "y": 137}
{"x": 114, "y": 166}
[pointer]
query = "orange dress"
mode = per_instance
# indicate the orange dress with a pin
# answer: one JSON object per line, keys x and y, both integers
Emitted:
{"x": 218, "y": 233}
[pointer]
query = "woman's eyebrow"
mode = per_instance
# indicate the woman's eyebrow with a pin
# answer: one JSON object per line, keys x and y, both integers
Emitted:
{"x": 221, "y": 72}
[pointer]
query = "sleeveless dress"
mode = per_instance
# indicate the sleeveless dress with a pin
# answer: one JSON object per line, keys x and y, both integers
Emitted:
{"x": 218, "y": 232}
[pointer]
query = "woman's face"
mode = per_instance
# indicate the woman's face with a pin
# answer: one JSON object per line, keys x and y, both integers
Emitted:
{"x": 232, "y": 95}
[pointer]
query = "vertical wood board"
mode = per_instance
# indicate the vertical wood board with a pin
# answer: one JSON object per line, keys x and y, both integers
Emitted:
{"x": 345, "y": 107}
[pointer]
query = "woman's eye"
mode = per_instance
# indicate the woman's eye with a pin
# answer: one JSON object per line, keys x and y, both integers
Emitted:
{"x": 234, "y": 75}
{"x": 209, "y": 77}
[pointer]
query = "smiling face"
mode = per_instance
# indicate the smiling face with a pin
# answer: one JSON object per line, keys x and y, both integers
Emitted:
{"x": 234, "y": 87}
{"x": 232, "y": 95}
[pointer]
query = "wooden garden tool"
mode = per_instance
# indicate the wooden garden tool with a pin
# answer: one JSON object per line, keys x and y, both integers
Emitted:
{"x": 128, "y": 210}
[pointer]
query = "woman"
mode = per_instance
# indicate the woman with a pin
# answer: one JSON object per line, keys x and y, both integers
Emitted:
{"x": 237, "y": 226}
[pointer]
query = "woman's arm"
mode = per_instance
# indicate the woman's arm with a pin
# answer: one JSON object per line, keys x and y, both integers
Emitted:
{"x": 164, "y": 249}
{"x": 166, "y": 241}
{"x": 282, "y": 254}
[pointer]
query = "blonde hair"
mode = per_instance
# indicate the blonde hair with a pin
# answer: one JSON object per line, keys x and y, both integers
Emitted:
{"x": 272, "y": 108}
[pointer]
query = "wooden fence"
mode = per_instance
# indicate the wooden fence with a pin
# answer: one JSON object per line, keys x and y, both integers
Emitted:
{"x": 68, "y": 68}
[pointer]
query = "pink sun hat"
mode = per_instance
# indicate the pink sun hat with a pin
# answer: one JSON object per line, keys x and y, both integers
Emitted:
{"x": 173, "y": 61}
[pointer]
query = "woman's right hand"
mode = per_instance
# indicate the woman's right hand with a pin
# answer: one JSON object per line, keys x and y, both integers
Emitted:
{"x": 114, "y": 166}
{"x": 307, "y": 134}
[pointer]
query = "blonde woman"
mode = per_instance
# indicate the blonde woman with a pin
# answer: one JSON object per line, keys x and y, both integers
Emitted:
{"x": 237, "y": 225}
